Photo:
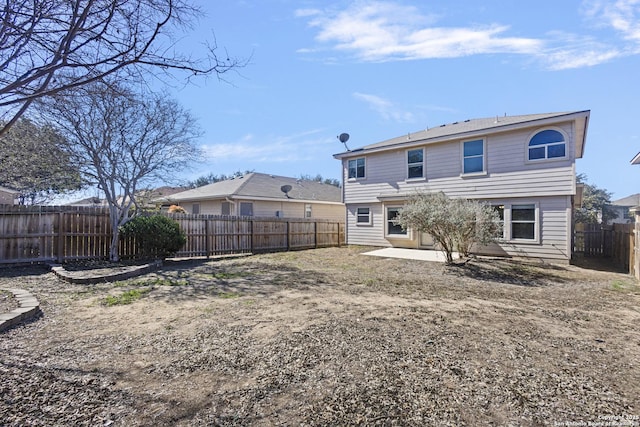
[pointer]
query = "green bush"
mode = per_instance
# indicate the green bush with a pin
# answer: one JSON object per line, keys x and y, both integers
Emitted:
{"x": 155, "y": 236}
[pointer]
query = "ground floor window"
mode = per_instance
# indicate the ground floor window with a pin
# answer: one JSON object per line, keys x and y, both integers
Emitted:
{"x": 195, "y": 208}
{"x": 246, "y": 209}
{"x": 363, "y": 216}
{"x": 500, "y": 234}
{"x": 523, "y": 222}
{"x": 226, "y": 208}
{"x": 394, "y": 229}
{"x": 307, "y": 210}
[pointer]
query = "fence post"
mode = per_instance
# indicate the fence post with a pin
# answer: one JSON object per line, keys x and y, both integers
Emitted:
{"x": 60, "y": 248}
{"x": 251, "y": 235}
{"x": 315, "y": 234}
{"x": 288, "y": 237}
{"x": 206, "y": 237}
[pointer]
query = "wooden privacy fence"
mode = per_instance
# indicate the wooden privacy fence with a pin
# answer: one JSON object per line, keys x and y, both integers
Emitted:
{"x": 64, "y": 233}
{"x": 616, "y": 242}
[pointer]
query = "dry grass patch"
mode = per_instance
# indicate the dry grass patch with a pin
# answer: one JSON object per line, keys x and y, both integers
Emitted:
{"x": 328, "y": 337}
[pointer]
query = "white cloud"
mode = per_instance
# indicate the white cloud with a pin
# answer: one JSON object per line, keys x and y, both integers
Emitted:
{"x": 269, "y": 149}
{"x": 383, "y": 31}
{"x": 621, "y": 15}
{"x": 379, "y": 31}
{"x": 385, "y": 108}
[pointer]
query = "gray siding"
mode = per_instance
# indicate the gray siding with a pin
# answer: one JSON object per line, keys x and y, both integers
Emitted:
{"x": 508, "y": 172}
{"x": 554, "y": 242}
{"x": 509, "y": 179}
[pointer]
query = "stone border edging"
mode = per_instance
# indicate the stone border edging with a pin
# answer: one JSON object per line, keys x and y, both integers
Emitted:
{"x": 88, "y": 277}
{"x": 29, "y": 308}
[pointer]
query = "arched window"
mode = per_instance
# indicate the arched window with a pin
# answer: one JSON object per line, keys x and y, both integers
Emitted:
{"x": 547, "y": 144}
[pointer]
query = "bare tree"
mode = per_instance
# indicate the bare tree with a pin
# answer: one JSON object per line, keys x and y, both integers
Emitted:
{"x": 124, "y": 142}
{"x": 48, "y": 46}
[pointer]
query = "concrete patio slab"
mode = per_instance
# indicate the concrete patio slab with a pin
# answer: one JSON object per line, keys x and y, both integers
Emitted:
{"x": 417, "y": 254}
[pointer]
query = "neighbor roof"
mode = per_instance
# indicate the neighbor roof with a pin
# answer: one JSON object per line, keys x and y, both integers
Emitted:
{"x": 8, "y": 190}
{"x": 475, "y": 127}
{"x": 636, "y": 160}
{"x": 633, "y": 200}
{"x": 261, "y": 186}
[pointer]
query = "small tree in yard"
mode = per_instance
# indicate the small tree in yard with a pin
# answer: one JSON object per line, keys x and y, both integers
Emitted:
{"x": 455, "y": 224}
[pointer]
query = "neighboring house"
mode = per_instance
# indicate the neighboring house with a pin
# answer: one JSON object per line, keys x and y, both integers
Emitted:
{"x": 522, "y": 165}
{"x": 622, "y": 208}
{"x": 262, "y": 195}
{"x": 8, "y": 196}
{"x": 144, "y": 197}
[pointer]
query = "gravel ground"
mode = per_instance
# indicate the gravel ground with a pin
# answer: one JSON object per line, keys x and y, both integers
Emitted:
{"x": 327, "y": 337}
{"x": 7, "y": 301}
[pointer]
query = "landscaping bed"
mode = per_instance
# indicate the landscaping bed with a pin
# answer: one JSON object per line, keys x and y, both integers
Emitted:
{"x": 326, "y": 337}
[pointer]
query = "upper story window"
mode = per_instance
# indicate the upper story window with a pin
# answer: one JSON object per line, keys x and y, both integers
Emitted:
{"x": 547, "y": 144}
{"x": 195, "y": 208}
{"x": 473, "y": 156}
{"x": 415, "y": 163}
{"x": 356, "y": 168}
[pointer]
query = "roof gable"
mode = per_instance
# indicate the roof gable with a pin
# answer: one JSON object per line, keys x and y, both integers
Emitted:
{"x": 473, "y": 127}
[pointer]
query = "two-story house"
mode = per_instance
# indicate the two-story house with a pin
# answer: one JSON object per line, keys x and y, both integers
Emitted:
{"x": 522, "y": 165}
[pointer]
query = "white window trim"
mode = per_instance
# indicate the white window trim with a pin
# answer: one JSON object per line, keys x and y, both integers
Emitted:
{"x": 406, "y": 236}
{"x": 424, "y": 165}
{"x": 545, "y": 160}
{"x": 508, "y": 222}
{"x": 484, "y": 159}
{"x": 309, "y": 210}
{"x": 356, "y": 178}
{"x": 369, "y": 223}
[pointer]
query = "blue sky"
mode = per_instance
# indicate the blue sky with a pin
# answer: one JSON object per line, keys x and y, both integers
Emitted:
{"x": 380, "y": 69}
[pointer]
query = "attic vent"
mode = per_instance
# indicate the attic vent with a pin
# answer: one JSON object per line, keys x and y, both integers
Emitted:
{"x": 467, "y": 121}
{"x": 454, "y": 123}
{"x": 442, "y": 126}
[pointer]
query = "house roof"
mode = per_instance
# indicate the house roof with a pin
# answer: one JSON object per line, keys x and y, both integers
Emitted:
{"x": 260, "y": 186}
{"x": 633, "y": 200}
{"x": 477, "y": 127}
{"x": 8, "y": 190}
{"x": 636, "y": 160}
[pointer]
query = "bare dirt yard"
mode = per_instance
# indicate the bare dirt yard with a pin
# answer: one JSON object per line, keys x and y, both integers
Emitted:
{"x": 327, "y": 337}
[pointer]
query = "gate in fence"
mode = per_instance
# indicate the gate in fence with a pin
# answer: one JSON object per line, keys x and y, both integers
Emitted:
{"x": 616, "y": 242}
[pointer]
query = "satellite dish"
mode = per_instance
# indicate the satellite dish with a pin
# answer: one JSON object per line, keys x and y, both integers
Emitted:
{"x": 285, "y": 189}
{"x": 344, "y": 137}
